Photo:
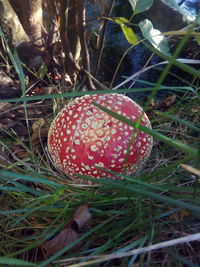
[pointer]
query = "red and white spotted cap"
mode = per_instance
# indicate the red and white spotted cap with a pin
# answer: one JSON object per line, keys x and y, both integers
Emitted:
{"x": 82, "y": 137}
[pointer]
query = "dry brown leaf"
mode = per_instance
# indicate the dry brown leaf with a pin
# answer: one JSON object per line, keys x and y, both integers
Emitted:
{"x": 22, "y": 154}
{"x": 46, "y": 90}
{"x": 39, "y": 137}
{"x": 82, "y": 216}
{"x": 37, "y": 124}
{"x": 63, "y": 239}
{"x": 7, "y": 124}
{"x": 170, "y": 100}
{"x": 167, "y": 102}
{"x": 5, "y": 106}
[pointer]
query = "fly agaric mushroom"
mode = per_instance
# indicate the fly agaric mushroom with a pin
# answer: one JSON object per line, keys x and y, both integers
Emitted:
{"x": 83, "y": 137}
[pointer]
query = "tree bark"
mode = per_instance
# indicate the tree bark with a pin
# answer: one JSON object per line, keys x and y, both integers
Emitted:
{"x": 72, "y": 32}
{"x": 30, "y": 15}
{"x": 81, "y": 26}
{"x": 11, "y": 24}
{"x": 71, "y": 66}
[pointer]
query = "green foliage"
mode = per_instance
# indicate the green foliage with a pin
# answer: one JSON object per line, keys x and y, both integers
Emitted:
{"x": 13, "y": 262}
{"x": 140, "y": 6}
{"x": 129, "y": 34}
{"x": 154, "y": 36}
{"x": 183, "y": 122}
{"x": 15, "y": 61}
{"x": 174, "y": 4}
{"x": 42, "y": 71}
{"x": 197, "y": 38}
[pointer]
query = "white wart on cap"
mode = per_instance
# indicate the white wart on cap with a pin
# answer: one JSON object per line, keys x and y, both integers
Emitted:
{"x": 82, "y": 137}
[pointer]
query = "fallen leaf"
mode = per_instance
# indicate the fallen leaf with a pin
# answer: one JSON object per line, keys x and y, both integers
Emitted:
{"x": 40, "y": 131}
{"x": 167, "y": 102}
{"x": 22, "y": 154}
{"x": 80, "y": 218}
{"x": 38, "y": 137}
{"x": 36, "y": 91}
{"x": 7, "y": 124}
{"x": 37, "y": 124}
{"x": 63, "y": 239}
{"x": 170, "y": 100}
{"x": 46, "y": 90}
{"x": 4, "y": 107}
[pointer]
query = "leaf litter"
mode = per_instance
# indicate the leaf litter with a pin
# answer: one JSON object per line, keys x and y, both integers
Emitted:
{"x": 70, "y": 233}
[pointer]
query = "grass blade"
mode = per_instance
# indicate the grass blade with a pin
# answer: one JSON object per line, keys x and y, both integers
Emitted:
{"x": 174, "y": 118}
{"x": 178, "y": 145}
{"x": 120, "y": 185}
{"x": 29, "y": 178}
{"x": 17, "y": 262}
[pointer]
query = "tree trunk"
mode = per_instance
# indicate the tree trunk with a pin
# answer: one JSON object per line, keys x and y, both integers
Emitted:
{"x": 30, "y": 14}
{"x": 72, "y": 55}
{"x": 73, "y": 36}
{"x": 11, "y": 25}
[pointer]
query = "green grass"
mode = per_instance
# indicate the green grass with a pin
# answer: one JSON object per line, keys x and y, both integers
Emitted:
{"x": 127, "y": 214}
{"x": 160, "y": 203}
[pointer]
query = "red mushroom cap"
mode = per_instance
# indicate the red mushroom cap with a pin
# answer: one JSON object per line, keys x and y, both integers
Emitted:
{"x": 82, "y": 137}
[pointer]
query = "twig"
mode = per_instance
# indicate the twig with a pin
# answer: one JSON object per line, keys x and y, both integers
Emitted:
{"x": 191, "y": 169}
{"x": 101, "y": 85}
{"x": 70, "y": 64}
{"x": 143, "y": 68}
{"x": 81, "y": 11}
{"x": 181, "y": 2}
{"x": 106, "y": 257}
{"x": 182, "y": 60}
{"x": 119, "y": 64}
{"x": 51, "y": 38}
{"x": 102, "y": 40}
